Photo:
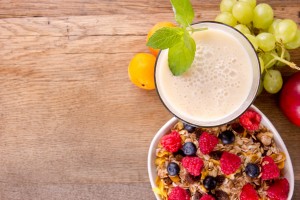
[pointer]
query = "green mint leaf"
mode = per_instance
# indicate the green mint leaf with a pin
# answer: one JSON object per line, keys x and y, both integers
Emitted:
{"x": 165, "y": 37}
{"x": 183, "y": 10}
{"x": 181, "y": 55}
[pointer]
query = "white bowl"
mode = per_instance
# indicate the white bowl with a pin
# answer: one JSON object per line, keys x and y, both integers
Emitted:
{"x": 287, "y": 171}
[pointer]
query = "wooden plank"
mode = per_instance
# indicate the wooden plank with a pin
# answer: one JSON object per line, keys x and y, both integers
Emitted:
{"x": 54, "y": 8}
{"x": 141, "y": 191}
{"x": 119, "y": 24}
{"x": 76, "y": 26}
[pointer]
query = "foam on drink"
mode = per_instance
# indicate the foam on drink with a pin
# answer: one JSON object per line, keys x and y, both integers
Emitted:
{"x": 217, "y": 83}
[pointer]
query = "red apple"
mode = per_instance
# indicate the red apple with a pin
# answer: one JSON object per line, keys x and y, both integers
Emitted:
{"x": 290, "y": 99}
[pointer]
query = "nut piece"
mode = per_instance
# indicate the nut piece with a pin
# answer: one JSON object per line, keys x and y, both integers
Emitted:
{"x": 178, "y": 126}
{"x": 265, "y": 138}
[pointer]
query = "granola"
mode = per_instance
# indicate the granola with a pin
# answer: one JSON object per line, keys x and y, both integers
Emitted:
{"x": 250, "y": 146}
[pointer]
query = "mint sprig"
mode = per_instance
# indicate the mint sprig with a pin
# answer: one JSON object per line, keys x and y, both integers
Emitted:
{"x": 184, "y": 13}
{"x": 165, "y": 37}
{"x": 178, "y": 40}
{"x": 181, "y": 55}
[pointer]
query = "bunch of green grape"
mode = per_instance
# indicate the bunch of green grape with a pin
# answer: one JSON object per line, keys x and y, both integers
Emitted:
{"x": 271, "y": 38}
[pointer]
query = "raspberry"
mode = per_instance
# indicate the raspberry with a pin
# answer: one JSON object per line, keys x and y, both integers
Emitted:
{"x": 179, "y": 193}
{"x": 248, "y": 193}
{"x": 269, "y": 169}
{"x": 193, "y": 165}
{"x": 229, "y": 163}
{"x": 207, "y": 142}
{"x": 207, "y": 197}
{"x": 279, "y": 190}
{"x": 250, "y": 120}
{"x": 171, "y": 142}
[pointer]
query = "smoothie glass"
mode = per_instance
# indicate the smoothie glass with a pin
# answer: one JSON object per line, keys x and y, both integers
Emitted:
{"x": 254, "y": 67}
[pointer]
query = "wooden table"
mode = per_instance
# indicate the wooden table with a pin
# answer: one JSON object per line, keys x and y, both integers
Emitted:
{"x": 72, "y": 125}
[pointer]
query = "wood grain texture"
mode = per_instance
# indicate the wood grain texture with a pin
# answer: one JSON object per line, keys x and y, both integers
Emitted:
{"x": 72, "y": 126}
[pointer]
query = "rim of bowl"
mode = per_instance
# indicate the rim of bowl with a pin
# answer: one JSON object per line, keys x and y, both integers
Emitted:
{"x": 233, "y": 115}
{"x": 265, "y": 121}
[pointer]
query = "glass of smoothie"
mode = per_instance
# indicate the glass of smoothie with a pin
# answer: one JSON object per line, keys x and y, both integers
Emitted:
{"x": 221, "y": 83}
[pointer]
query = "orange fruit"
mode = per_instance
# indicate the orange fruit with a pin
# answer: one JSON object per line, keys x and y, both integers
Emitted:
{"x": 155, "y": 28}
{"x": 141, "y": 70}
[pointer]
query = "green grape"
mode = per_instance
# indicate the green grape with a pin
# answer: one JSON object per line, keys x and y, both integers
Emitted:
{"x": 295, "y": 43}
{"x": 242, "y": 28}
{"x": 251, "y": 2}
{"x": 285, "y": 31}
{"x": 272, "y": 81}
{"x": 226, "y": 18}
{"x": 273, "y": 25}
{"x": 286, "y": 56}
{"x": 263, "y": 16}
{"x": 266, "y": 41}
{"x": 226, "y": 5}
{"x": 262, "y": 65}
{"x": 243, "y": 12}
{"x": 253, "y": 41}
{"x": 268, "y": 59}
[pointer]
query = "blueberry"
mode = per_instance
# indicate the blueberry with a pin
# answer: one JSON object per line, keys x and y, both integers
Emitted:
{"x": 252, "y": 170}
{"x": 210, "y": 182}
{"x": 189, "y": 149}
{"x": 189, "y": 128}
{"x": 227, "y": 137}
{"x": 173, "y": 169}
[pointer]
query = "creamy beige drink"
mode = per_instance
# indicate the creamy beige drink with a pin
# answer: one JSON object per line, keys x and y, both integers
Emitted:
{"x": 217, "y": 84}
